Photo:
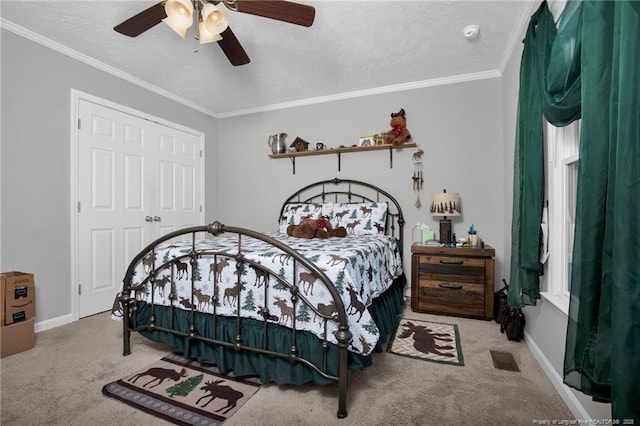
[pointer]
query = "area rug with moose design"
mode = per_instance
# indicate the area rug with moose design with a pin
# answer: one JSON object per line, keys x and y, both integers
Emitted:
{"x": 183, "y": 391}
{"x": 427, "y": 340}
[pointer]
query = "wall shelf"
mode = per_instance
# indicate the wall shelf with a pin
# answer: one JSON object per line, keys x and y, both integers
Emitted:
{"x": 340, "y": 151}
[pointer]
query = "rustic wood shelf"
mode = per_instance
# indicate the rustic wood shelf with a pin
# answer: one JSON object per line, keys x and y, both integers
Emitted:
{"x": 340, "y": 151}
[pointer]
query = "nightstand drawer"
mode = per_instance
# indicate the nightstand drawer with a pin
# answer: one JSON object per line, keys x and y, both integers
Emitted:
{"x": 451, "y": 297}
{"x": 452, "y": 269}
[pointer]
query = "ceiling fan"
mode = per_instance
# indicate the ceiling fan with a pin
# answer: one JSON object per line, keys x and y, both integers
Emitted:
{"x": 212, "y": 20}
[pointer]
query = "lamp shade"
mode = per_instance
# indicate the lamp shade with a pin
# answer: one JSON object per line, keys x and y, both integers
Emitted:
{"x": 206, "y": 36}
{"x": 445, "y": 204}
{"x": 179, "y": 15}
{"x": 214, "y": 18}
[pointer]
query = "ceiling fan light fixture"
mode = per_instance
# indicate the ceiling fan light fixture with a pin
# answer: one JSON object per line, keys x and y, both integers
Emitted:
{"x": 214, "y": 18}
{"x": 179, "y": 15}
{"x": 205, "y": 35}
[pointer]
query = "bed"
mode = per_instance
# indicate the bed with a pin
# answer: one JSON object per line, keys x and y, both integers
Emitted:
{"x": 286, "y": 309}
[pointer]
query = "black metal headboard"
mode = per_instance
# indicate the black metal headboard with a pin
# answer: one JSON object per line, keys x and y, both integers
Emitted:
{"x": 352, "y": 191}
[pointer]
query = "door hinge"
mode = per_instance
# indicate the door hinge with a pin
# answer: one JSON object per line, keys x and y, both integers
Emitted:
{"x": 200, "y": 153}
{"x": 79, "y": 289}
{"x": 200, "y": 209}
{"x": 79, "y": 207}
{"x": 79, "y": 124}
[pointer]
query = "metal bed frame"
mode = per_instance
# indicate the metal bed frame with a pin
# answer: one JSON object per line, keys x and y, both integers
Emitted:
{"x": 335, "y": 190}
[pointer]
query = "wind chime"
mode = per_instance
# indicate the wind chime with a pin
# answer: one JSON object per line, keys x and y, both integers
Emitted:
{"x": 417, "y": 178}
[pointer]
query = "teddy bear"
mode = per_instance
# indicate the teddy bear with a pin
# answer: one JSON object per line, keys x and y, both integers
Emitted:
{"x": 315, "y": 228}
{"x": 399, "y": 133}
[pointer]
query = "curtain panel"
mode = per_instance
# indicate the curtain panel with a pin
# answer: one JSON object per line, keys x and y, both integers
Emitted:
{"x": 549, "y": 86}
{"x": 601, "y": 84}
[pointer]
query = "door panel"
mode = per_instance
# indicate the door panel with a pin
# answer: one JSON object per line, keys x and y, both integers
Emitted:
{"x": 137, "y": 180}
{"x": 102, "y": 261}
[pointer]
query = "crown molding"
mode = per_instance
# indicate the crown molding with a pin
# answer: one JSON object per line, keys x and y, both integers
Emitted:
{"x": 37, "y": 38}
{"x": 367, "y": 92}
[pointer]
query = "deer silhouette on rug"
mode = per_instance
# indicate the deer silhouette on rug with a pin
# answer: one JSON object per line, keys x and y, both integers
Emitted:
{"x": 215, "y": 390}
{"x": 426, "y": 340}
{"x": 159, "y": 375}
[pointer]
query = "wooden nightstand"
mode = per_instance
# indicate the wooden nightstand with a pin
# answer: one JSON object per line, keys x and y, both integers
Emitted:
{"x": 452, "y": 281}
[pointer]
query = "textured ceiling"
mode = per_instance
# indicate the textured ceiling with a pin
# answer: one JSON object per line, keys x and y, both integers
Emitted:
{"x": 353, "y": 46}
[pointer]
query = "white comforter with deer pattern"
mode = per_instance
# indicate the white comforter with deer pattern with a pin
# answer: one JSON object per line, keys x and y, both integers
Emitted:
{"x": 361, "y": 269}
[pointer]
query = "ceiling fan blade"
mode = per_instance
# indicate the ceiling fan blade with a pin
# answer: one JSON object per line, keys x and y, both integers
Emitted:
{"x": 293, "y": 13}
{"x": 143, "y": 21}
{"x": 233, "y": 49}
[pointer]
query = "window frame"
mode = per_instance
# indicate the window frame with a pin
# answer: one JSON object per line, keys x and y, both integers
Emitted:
{"x": 562, "y": 154}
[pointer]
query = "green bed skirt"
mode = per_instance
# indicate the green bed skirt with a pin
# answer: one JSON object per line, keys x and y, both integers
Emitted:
{"x": 384, "y": 311}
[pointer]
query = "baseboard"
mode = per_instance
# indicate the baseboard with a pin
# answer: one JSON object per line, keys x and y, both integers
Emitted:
{"x": 53, "y": 323}
{"x": 565, "y": 392}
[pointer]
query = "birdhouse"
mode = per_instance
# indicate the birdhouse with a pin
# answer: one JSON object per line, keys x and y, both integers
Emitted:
{"x": 300, "y": 145}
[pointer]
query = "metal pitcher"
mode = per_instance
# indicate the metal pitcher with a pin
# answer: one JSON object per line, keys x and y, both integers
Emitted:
{"x": 277, "y": 144}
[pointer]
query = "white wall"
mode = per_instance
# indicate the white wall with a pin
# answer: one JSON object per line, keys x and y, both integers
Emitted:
{"x": 36, "y": 212}
{"x": 457, "y": 126}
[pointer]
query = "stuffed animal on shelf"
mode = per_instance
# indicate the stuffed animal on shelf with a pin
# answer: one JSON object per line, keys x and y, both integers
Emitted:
{"x": 316, "y": 228}
{"x": 399, "y": 133}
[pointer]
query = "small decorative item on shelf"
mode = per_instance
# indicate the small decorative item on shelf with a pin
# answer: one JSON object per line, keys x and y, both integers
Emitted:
{"x": 277, "y": 143}
{"x": 299, "y": 144}
{"x": 366, "y": 140}
{"x": 399, "y": 133}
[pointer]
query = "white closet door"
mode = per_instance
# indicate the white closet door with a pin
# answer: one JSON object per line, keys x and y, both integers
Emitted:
{"x": 137, "y": 180}
{"x": 176, "y": 185}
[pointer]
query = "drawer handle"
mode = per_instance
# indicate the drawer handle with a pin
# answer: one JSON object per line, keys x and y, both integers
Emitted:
{"x": 450, "y": 286}
{"x": 456, "y": 262}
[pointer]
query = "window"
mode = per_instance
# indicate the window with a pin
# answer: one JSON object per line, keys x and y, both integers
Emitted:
{"x": 562, "y": 154}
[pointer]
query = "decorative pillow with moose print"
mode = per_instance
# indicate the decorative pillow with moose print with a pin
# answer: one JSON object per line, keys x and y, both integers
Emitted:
{"x": 360, "y": 218}
{"x": 293, "y": 213}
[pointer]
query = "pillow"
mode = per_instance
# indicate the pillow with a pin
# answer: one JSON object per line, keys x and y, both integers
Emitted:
{"x": 360, "y": 218}
{"x": 293, "y": 213}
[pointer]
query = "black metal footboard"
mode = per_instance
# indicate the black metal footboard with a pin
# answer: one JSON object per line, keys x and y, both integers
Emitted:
{"x": 160, "y": 272}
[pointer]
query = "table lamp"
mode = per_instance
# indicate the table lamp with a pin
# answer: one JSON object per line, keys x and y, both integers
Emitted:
{"x": 445, "y": 204}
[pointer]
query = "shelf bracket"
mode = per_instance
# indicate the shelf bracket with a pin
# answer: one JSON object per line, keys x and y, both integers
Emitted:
{"x": 390, "y": 157}
{"x": 293, "y": 163}
{"x": 339, "y": 158}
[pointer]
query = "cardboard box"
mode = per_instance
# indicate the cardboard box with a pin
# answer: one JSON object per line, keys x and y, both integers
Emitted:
{"x": 17, "y": 297}
{"x": 17, "y": 337}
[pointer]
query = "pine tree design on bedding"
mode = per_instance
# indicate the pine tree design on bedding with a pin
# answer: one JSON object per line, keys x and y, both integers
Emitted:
{"x": 346, "y": 264}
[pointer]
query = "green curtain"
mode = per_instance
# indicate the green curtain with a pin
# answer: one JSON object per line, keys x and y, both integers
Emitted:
{"x": 550, "y": 86}
{"x": 602, "y": 356}
{"x": 588, "y": 66}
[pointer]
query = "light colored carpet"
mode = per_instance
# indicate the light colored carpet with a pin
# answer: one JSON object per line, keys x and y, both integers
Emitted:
{"x": 59, "y": 382}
